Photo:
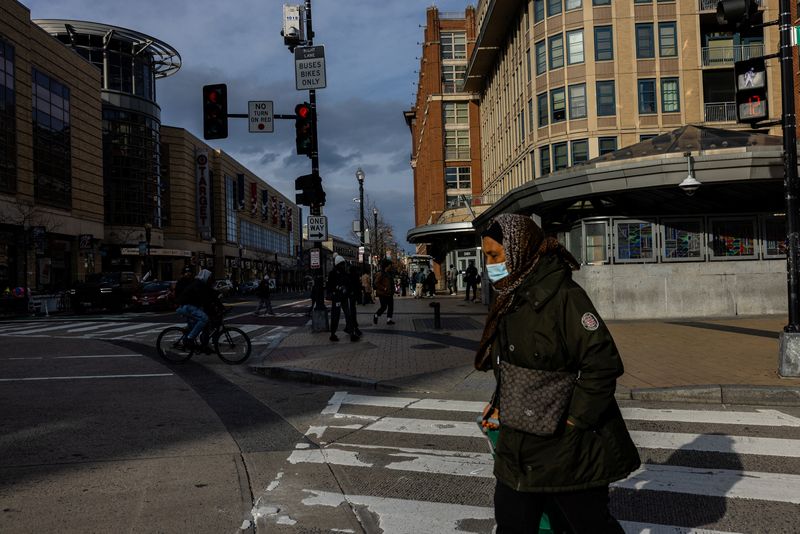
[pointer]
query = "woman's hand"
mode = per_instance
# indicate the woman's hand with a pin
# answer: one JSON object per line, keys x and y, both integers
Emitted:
{"x": 492, "y": 421}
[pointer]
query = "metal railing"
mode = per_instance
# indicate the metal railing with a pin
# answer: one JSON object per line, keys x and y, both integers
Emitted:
{"x": 472, "y": 200}
{"x": 718, "y": 56}
{"x": 720, "y": 112}
{"x": 711, "y": 5}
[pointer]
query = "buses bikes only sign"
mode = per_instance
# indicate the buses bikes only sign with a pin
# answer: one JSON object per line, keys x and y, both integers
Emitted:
{"x": 309, "y": 67}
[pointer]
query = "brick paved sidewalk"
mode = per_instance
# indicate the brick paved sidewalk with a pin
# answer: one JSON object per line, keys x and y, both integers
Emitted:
{"x": 412, "y": 354}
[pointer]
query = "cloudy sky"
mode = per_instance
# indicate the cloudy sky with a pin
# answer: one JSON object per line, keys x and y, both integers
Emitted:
{"x": 371, "y": 49}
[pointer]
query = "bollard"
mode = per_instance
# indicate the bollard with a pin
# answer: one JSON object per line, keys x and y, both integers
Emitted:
{"x": 437, "y": 319}
{"x": 46, "y": 314}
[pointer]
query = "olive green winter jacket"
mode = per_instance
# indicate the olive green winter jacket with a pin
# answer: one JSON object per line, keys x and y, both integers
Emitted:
{"x": 552, "y": 325}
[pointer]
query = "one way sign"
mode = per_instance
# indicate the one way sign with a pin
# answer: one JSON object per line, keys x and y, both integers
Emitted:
{"x": 317, "y": 228}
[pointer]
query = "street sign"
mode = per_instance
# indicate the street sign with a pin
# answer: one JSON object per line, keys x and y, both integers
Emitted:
{"x": 309, "y": 67}
{"x": 260, "y": 117}
{"x": 315, "y": 258}
{"x": 317, "y": 228}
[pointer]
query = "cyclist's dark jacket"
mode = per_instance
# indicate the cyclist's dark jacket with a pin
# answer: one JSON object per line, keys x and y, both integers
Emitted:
{"x": 181, "y": 285}
{"x": 197, "y": 293}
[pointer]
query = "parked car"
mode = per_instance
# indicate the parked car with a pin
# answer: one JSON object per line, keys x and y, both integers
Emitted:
{"x": 224, "y": 286}
{"x": 156, "y": 295}
{"x": 113, "y": 291}
{"x": 248, "y": 287}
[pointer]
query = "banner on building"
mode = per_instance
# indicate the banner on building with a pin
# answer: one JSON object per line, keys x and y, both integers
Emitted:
{"x": 289, "y": 218}
{"x": 253, "y": 199}
{"x": 274, "y": 211}
{"x": 264, "y": 205}
{"x": 282, "y": 210}
{"x": 240, "y": 190}
{"x": 203, "y": 193}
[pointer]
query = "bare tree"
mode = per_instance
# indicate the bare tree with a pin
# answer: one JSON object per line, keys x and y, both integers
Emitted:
{"x": 27, "y": 215}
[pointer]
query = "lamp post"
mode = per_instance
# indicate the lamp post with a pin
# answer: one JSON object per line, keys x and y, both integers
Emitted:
{"x": 375, "y": 239}
{"x": 148, "y": 228}
{"x": 360, "y": 178}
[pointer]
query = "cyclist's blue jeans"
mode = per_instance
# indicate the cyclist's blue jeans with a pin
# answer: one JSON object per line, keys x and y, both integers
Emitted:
{"x": 197, "y": 317}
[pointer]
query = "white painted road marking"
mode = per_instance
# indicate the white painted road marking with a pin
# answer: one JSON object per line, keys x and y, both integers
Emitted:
{"x": 92, "y": 327}
{"x": 82, "y": 377}
{"x": 126, "y": 328}
{"x": 789, "y": 448}
{"x": 632, "y": 527}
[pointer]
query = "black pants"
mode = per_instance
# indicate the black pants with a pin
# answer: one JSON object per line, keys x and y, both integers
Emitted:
{"x": 345, "y": 308}
{"x": 576, "y": 512}
{"x": 474, "y": 286}
{"x": 386, "y": 303}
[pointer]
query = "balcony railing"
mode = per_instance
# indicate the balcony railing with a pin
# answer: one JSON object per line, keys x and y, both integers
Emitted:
{"x": 720, "y": 112}
{"x": 718, "y": 56}
{"x": 472, "y": 200}
{"x": 711, "y": 5}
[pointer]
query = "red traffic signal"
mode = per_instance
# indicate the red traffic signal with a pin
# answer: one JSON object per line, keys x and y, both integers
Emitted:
{"x": 215, "y": 111}
{"x": 304, "y": 139}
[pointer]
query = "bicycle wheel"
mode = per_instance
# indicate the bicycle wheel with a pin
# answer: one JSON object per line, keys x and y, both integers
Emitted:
{"x": 232, "y": 345}
{"x": 171, "y": 347}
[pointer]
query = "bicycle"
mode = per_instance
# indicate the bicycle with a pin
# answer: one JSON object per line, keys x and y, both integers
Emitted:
{"x": 230, "y": 343}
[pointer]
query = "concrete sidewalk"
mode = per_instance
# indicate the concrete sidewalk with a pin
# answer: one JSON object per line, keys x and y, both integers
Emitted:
{"x": 699, "y": 360}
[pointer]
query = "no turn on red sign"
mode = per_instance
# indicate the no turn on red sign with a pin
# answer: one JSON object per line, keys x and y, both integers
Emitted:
{"x": 260, "y": 116}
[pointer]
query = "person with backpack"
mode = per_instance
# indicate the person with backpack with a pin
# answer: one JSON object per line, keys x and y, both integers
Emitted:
{"x": 384, "y": 289}
{"x": 263, "y": 294}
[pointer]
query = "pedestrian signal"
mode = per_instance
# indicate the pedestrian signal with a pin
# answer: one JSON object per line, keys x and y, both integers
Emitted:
{"x": 751, "y": 90}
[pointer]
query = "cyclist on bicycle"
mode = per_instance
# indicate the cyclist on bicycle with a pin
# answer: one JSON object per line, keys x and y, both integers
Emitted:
{"x": 194, "y": 303}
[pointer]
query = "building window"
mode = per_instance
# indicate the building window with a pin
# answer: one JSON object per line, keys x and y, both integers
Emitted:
{"x": 553, "y": 7}
{"x": 670, "y": 96}
{"x": 573, "y": 243}
{"x": 456, "y": 113}
{"x": 601, "y": 2}
{"x": 667, "y": 39}
{"x": 647, "y": 96}
{"x": 607, "y": 144}
{"x": 541, "y": 104}
{"x": 256, "y": 237}
{"x": 603, "y": 43}
{"x": 733, "y": 238}
{"x": 8, "y": 120}
{"x": 682, "y": 239}
{"x": 558, "y": 105}
{"x": 456, "y": 144}
{"x": 646, "y": 137}
{"x": 560, "y": 156}
{"x": 538, "y": 10}
{"x": 230, "y": 210}
{"x": 452, "y": 77}
{"x": 606, "y": 98}
{"x": 645, "y": 47}
{"x": 541, "y": 57}
{"x": 575, "y": 47}
{"x": 596, "y": 233}
{"x": 572, "y": 4}
{"x": 530, "y": 65}
{"x": 642, "y": 1}
{"x": 521, "y": 120}
{"x": 774, "y": 237}
{"x": 454, "y": 45}
{"x": 544, "y": 159}
{"x": 531, "y": 117}
{"x": 556, "y": 51}
{"x": 458, "y": 178}
{"x": 577, "y": 101}
{"x": 580, "y": 151}
{"x": 52, "y": 161}
{"x": 635, "y": 241}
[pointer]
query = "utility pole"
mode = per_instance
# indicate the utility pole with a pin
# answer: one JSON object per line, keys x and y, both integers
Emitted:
{"x": 360, "y": 177}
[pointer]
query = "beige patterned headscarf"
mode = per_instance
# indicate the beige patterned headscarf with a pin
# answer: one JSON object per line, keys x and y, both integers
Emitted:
{"x": 524, "y": 243}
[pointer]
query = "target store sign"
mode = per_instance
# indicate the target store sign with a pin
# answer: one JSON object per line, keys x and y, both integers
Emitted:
{"x": 260, "y": 116}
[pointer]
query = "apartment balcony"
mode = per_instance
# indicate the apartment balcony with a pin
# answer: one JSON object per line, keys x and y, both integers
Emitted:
{"x": 711, "y": 5}
{"x": 725, "y": 56}
{"x": 720, "y": 112}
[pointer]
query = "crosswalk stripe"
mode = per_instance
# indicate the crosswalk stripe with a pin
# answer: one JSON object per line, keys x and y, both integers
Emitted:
{"x": 633, "y": 527}
{"x": 37, "y": 329}
{"x": 127, "y": 328}
{"x": 425, "y": 426}
{"x": 754, "y": 418}
{"x": 789, "y": 448}
{"x": 250, "y": 327}
{"x": 779, "y": 487}
{"x": 94, "y": 326}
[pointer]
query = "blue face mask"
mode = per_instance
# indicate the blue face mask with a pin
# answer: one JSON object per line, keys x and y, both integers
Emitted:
{"x": 496, "y": 271}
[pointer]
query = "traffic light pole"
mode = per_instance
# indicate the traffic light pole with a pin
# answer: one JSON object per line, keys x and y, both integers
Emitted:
{"x": 789, "y": 357}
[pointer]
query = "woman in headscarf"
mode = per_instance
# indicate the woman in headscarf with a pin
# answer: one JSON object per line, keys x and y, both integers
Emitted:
{"x": 562, "y": 440}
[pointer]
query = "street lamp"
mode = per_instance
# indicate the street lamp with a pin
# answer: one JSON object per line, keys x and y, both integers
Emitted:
{"x": 375, "y": 239}
{"x": 360, "y": 178}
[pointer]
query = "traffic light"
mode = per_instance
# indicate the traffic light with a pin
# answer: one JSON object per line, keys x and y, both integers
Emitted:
{"x": 751, "y": 90}
{"x": 303, "y": 117}
{"x": 737, "y": 14}
{"x": 215, "y": 111}
{"x": 311, "y": 187}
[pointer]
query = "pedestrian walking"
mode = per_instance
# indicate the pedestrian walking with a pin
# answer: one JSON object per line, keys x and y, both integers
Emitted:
{"x": 452, "y": 280}
{"x": 562, "y": 438}
{"x": 384, "y": 289}
{"x": 366, "y": 289}
{"x": 354, "y": 290}
{"x": 471, "y": 281}
{"x": 430, "y": 284}
{"x": 419, "y": 280}
{"x": 264, "y": 297}
{"x": 339, "y": 290}
{"x": 403, "y": 283}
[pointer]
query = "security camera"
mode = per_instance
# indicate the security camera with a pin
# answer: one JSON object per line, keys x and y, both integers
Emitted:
{"x": 690, "y": 185}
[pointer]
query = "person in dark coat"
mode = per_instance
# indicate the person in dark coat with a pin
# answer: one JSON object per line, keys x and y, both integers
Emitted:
{"x": 384, "y": 290}
{"x": 543, "y": 320}
{"x": 264, "y": 297}
{"x": 198, "y": 303}
{"x": 430, "y": 284}
{"x": 339, "y": 290}
{"x": 187, "y": 276}
{"x": 471, "y": 281}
